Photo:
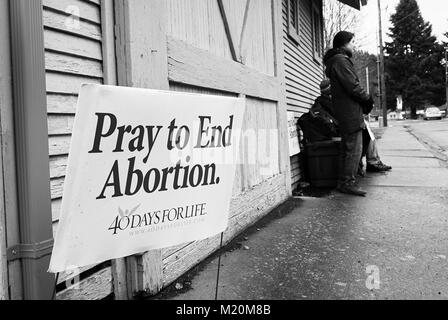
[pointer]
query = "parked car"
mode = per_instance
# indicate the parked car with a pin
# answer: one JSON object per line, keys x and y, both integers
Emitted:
{"x": 433, "y": 113}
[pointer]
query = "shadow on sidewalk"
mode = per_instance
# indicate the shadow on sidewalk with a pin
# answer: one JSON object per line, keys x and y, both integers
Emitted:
{"x": 185, "y": 281}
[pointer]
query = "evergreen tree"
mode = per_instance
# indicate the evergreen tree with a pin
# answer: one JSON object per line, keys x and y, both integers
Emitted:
{"x": 414, "y": 60}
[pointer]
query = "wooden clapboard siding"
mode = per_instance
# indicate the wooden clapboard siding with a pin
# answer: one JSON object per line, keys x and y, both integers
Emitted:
{"x": 72, "y": 45}
{"x": 59, "y": 145}
{"x": 73, "y": 56}
{"x": 67, "y": 83}
{"x": 74, "y": 66}
{"x": 95, "y": 287}
{"x": 61, "y": 104}
{"x": 303, "y": 73}
{"x": 58, "y": 22}
{"x": 89, "y": 10}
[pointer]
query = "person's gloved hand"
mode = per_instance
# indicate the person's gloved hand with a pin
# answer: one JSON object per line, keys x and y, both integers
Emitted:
{"x": 367, "y": 106}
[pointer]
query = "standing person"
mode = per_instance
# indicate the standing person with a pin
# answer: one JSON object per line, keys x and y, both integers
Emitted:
{"x": 323, "y": 106}
{"x": 349, "y": 100}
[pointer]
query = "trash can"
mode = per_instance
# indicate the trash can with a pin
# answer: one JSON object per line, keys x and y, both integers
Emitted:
{"x": 322, "y": 162}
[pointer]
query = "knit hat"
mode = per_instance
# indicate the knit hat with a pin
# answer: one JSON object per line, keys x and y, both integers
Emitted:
{"x": 342, "y": 38}
{"x": 325, "y": 87}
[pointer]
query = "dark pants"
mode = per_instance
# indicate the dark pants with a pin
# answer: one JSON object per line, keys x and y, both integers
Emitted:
{"x": 350, "y": 156}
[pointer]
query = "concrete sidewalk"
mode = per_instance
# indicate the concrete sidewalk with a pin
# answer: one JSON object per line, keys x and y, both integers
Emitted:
{"x": 330, "y": 247}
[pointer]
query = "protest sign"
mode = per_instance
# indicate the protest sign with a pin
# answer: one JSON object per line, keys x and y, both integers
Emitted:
{"x": 147, "y": 170}
{"x": 294, "y": 146}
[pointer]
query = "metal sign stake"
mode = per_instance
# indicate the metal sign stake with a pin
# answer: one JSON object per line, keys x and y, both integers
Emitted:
{"x": 219, "y": 267}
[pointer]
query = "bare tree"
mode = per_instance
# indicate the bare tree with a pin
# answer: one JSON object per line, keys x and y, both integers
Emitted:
{"x": 338, "y": 17}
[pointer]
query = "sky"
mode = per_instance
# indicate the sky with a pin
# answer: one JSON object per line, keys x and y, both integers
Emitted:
{"x": 434, "y": 11}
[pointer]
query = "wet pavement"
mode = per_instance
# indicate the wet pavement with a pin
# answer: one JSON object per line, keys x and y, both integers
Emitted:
{"x": 434, "y": 134}
{"x": 391, "y": 245}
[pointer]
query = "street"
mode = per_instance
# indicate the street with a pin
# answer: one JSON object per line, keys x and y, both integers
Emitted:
{"x": 391, "y": 245}
{"x": 433, "y": 133}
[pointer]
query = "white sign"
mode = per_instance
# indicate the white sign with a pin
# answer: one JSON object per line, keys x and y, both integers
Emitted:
{"x": 369, "y": 130}
{"x": 294, "y": 145}
{"x": 399, "y": 103}
{"x": 147, "y": 170}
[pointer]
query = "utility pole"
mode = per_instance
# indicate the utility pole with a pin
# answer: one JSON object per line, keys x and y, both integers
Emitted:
{"x": 367, "y": 80}
{"x": 382, "y": 69}
{"x": 378, "y": 64}
{"x": 446, "y": 75}
{"x": 368, "y": 87}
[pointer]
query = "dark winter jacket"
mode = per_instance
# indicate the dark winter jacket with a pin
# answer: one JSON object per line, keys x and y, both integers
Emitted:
{"x": 323, "y": 102}
{"x": 349, "y": 98}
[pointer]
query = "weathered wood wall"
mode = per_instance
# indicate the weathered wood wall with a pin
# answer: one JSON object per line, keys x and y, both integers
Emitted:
{"x": 73, "y": 55}
{"x": 258, "y": 186}
{"x": 199, "y": 23}
{"x": 245, "y": 36}
{"x": 207, "y": 52}
{"x": 303, "y": 72}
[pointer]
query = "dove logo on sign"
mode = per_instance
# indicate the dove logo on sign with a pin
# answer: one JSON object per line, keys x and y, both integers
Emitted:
{"x": 124, "y": 219}
{"x": 130, "y": 219}
{"x": 126, "y": 213}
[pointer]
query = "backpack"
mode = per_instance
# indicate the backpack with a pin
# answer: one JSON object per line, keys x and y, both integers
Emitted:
{"x": 318, "y": 125}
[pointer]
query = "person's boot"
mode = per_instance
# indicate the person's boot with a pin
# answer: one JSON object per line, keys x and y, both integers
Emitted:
{"x": 386, "y": 167}
{"x": 378, "y": 168}
{"x": 352, "y": 189}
